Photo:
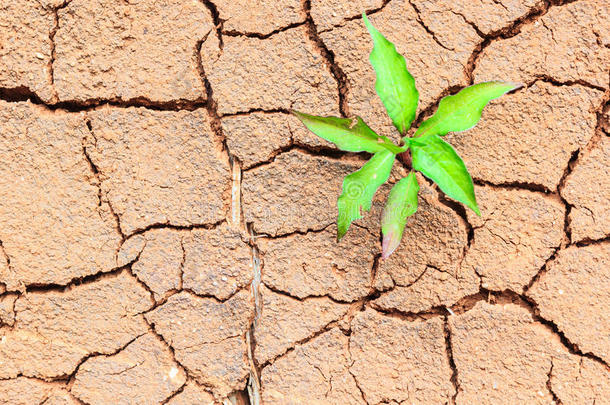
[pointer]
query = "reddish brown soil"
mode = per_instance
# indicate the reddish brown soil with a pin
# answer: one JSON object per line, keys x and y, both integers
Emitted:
{"x": 167, "y": 229}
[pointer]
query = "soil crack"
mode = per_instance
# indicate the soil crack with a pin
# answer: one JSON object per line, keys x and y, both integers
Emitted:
{"x": 258, "y": 35}
{"x": 549, "y": 385}
{"x": 368, "y": 12}
{"x": 52, "y": 33}
{"x": 22, "y": 93}
{"x": 509, "y": 31}
{"x": 329, "y": 57}
{"x": 449, "y": 351}
{"x": 428, "y": 30}
{"x": 218, "y": 22}
{"x": 254, "y": 381}
{"x": 97, "y": 174}
{"x": 300, "y": 342}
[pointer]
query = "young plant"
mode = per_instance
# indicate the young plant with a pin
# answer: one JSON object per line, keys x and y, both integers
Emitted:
{"x": 430, "y": 154}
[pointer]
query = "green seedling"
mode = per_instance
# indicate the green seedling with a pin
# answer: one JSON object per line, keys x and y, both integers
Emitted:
{"x": 430, "y": 154}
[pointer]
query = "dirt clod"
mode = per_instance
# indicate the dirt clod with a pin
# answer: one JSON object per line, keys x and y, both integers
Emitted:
{"x": 25, "y": 53}
{"x": 518, "y": 231}
{"x": 509, "y": 146}
{"x": 569, "y": 43}
{"x": 322, "y": 266}
{"x": 159, "y": 264}
{"x": 217, "y": 262}
{"x": 285, "y": 321}
{"x": 57, "y": 330}
{"x": 488, "y": 17}
{"x": 502, "y": 355}
{"x": 284, "y": 71}
{"x": 122, "y": 50}
{"x": 328, "y": 13}
{"x": 580, "y": 381}
{"x": 396, "y": 360}
{"x": 55, "y": 227}
{"x": 258, "y": 137}
{"x": 315, "y": 372}
{"x": 146, "y": 363}
{"x": 587, "y": 189}
{"x": 208, "y": 337}
{"x": 561, "y": 298}
{"x": 259, "y": 16}
{"x": 159, "y": 167}
{"x": 26, "y": 391}
{"x": 295, "y": 193}
{"x": 7, "y": 312}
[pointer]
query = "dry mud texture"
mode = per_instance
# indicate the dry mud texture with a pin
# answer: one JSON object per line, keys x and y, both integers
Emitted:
{"x": 167, "y": 229}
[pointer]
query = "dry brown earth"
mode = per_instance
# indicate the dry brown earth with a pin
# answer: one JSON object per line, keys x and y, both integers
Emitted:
{"x": 167, "y": 228}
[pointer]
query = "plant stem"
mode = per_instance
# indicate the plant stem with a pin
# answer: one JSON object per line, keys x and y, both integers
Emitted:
{"x": 405, "y": 159}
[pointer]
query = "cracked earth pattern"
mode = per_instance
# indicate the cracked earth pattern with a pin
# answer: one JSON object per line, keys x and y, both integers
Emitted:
{"x": 167, "y": 229}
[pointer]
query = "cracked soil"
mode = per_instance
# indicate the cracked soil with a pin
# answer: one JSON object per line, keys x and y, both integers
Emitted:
{"x": 167, "y": 228}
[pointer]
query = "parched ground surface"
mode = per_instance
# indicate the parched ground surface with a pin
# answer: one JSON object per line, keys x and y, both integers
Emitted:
{"x": 167, "y": 229}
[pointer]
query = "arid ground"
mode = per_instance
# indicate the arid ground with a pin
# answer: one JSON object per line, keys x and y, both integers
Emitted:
{"x": 167, "y": 229}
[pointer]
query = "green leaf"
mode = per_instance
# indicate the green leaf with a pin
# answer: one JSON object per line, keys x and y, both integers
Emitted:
{"x": 351, "y": 135}
{"x": 395, "y": 85}
{"x": 463, "y": 110}
{"x": 359, "y": 189}
{"x": 437, "y": 160}
{"x": 401, "y": 204}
